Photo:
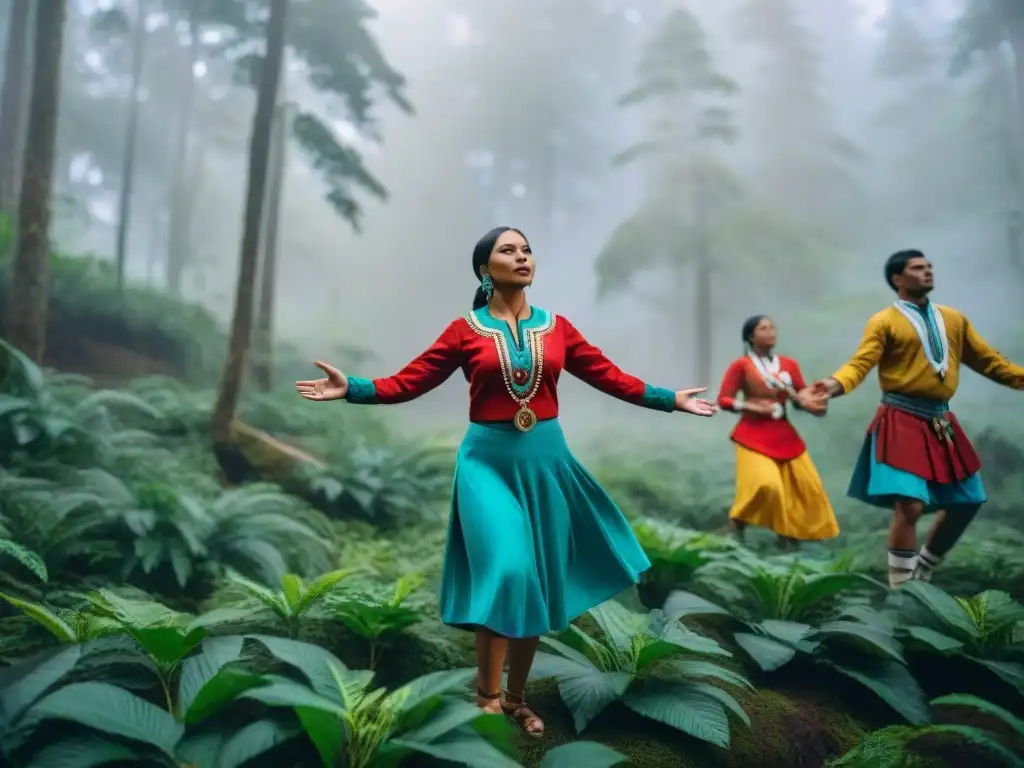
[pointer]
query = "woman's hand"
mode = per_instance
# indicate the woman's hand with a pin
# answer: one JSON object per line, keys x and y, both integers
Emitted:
{"x": 334, "y": 387}
{"x": 812, "y": 400}
{"x": 686, "y": 402}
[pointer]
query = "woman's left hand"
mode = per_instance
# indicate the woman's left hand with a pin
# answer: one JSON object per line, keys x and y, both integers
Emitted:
{"x": 686, "y": 402}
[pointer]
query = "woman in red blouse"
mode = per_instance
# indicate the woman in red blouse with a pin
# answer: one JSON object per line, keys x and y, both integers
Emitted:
{"x": 777, "y": 485}
{"x": 533, "y": 540}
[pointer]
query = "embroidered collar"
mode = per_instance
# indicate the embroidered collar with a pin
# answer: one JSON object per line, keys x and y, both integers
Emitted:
{"x": 916, "y": 318}
{"x": 769, "y": 368}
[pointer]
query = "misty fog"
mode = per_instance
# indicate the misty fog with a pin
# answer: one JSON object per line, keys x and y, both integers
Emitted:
{"x": 851, "y": 138}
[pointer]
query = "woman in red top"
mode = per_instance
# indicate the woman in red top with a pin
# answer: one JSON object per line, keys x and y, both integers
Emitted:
{"x": 533, "y": 540}
{"x": 777, "y": 485}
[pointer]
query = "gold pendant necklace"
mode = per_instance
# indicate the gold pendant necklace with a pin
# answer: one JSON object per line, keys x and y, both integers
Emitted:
{"x": 525, "y": 419}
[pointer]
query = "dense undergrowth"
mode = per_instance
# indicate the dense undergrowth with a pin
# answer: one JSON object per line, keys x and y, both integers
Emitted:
{"x": 164, "y": 619}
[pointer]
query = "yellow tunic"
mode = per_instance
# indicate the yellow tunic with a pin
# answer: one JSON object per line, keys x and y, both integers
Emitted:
{"x": 891, "y": 342}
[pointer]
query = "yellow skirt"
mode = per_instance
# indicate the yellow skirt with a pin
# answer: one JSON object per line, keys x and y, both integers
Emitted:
{"x": 786, "y": 497}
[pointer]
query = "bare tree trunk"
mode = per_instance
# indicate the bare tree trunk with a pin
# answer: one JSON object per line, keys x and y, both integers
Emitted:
{"x": 17, "y": 76}
{"x": 259, "y": 152}
{"x": 28, "y": 293}
{"x": 262, "y": 368}
{"x": 179, "y": 241}
{"x": 702, "y": 306}
{"x": 124, "y": 213}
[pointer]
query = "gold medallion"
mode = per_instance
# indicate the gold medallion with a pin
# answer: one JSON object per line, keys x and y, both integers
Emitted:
{"x": 525, "y": 419}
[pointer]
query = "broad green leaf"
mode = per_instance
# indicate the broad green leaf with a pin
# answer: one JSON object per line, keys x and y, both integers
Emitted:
{"x": 49, "y": 620}
{"x": 932, "y": 640}
{"x": 587, "y": 692}
{"x": 112, "y": 710}
{"x": 681, "y": 604}
{"x": 817, "y": 589}
{"x": 253, "y": 740}
{"x": 281, "y": 692}
{"x": 168, "y": 645}
{"x": 321, "y": 585}
{"x": 462, "y": 748}
{"x": 266, "y": 596}
{"x": 573, "y": 654}
{"x": 767, "y": 653}
{"x": 25, "y": 683}
{"x": 86, "y": 752}
{"x": 434, "y": 684}
{"x": 698, "y": 668}
{"x": 582, "y": 753}
{"x": 687, "y": 640}
{"x": 980, "y": 705}
{"x": 870, "y": 639}
{"x": 1010, "y": 672}
{"x": 942, "y": 606}
{"x": 446, "y": 718}
{"x": 789, "y": 632}
{"x": 618, "y": 624}
{"x": 724, "y": 698}
{"x": 202, "y": 750}
{"x": 325, "y": 730}
{"x": 201, "y": 668}
{"x": 684, "y": 708}
{"x": 292, "y": 588}
{"x": 314, "y": 663}
{"x": 225, "y": 686}
{"x": 893, "y": 684}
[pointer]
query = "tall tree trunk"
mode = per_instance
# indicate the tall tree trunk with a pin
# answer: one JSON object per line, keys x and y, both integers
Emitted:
{"x": 17, "y": 76}
{"x": 29, "y": 290}
{"x": 179, "y": 241}
{"x": 131, "y": 141}
{"x": 259, "y": 152}
{"x": 702, "y": 306}
{"x": 262, "y": 368}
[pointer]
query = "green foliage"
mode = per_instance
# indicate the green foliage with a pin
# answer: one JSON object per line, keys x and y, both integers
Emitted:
{"x": 653, "y": 665}
{"x": 792, "y": 609}
{"x": 986, "y": 630}
{"x": 342, "y": 61}
{"x": 894, "y": 747}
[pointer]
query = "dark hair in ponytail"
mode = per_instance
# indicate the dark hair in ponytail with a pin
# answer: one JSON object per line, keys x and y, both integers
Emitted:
{"x": 482, "y": 254}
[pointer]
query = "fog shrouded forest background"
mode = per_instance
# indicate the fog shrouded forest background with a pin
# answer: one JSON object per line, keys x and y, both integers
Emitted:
{"x": 199, "y": 197}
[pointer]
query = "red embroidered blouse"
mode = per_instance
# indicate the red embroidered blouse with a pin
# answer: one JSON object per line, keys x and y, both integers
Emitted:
{"x": 775, "y": 438}
{"x": 496, "y": 365}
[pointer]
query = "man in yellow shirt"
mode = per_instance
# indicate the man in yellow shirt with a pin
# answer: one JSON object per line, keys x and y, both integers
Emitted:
{"x": 916, "y": 457}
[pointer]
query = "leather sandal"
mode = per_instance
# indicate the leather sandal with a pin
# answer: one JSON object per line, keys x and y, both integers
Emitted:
{"x": 515, "y": 707}
{"x": 481, "y": 694}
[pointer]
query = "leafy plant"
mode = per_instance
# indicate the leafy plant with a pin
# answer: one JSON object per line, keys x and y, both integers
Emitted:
{"x": 589, "y": 753}
{"x": 893, "y": 747}
{"x": 651, "y": 664}
{"x": 986, "y": 630}
{"x": 785, "y": 609}
{"x": 295, "y": 597}
{"x": 374, "y": 617}
{"x": 26, "y": 558}
{"x": 356, "y": 726}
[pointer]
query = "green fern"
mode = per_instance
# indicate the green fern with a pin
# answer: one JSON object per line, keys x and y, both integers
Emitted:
{"x": 26, "y": 557}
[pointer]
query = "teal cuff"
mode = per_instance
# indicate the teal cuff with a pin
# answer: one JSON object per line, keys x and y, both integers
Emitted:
{"x": 361, "y": 391}
{"x": 658, "y": 399}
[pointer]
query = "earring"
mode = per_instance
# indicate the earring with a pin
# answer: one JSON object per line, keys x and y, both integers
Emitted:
{"x": 487, "y": 286}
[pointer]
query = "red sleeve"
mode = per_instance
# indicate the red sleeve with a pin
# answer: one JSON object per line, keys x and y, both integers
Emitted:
{"x": 428, "y": 371}
{"x": 589, "y": 364}
{"x": 798, "y": 376}
{"x": 732, "y": 383}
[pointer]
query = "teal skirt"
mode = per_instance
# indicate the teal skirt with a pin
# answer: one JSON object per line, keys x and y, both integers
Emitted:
{"x": 882, "y": 486}
{"x": 533, "y": 540}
